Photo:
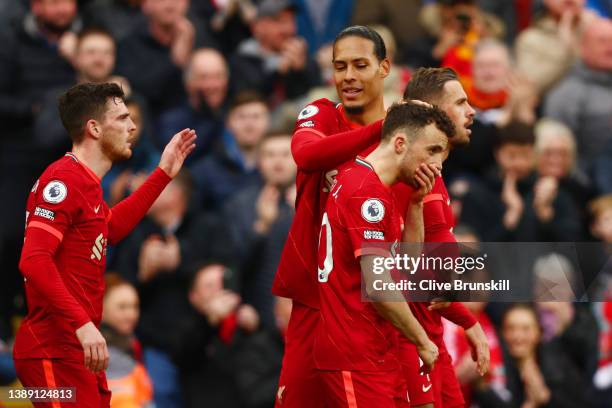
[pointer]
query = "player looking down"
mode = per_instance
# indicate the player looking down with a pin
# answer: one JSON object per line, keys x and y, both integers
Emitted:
{"x": 440, "y": 388}
{"x": 355, "y": 346}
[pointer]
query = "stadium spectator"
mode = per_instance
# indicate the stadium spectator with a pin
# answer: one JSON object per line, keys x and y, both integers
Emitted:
{"x": 555, "y": 150}
{"x": 233, "y": 162}
{"x": 126, "y": 176}
{"x": 546, "y": 51}
{"x": 319, "y": 22}
{"x": 401, "y": 16}
{"x": 35, "y": 56}
{"x": 229, "y": 21}
{"x": 526, "y": 209}
{"x": 158, "y": 259}
{"x": 275, "y": 62}
{"x": 116, "y": 16}
{"x": 204, "y": 340}
{"x": 571, "y": 325}
{"x": 258, "y": 220}
{"x": 487, "y": 90}
{"x": 127, "y": 377}
{"x": 583, "y": 100}
{"x": 206, "y": 82}
{"x": 258, "y": 357}
{"x": 153, "y": 56}
{"x": 537, "y": 374}
{"x": 497, "y": 91}
{"x": 457, "y": 26}
{"x": 94, "y": 61}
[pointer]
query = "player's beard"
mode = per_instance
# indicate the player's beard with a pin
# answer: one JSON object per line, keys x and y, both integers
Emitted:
{"x": 115, "y": 153}
{"x": 457, "y": 141}
{"x": 354, "y": 110}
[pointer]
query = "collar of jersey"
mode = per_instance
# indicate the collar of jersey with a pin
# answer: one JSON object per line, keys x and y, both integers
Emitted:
{"x": 360, "y": 160}
{"x": 87, "y": 169}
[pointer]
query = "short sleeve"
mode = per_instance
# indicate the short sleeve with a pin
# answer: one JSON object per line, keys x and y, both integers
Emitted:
{"x": 368, "y": 220}
{"x": 55, "y": 205}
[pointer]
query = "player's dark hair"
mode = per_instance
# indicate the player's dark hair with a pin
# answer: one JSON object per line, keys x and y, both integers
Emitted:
{"x": 84, "y": 102}
{"x": 412, "y": 118}
{"x": 427, "y": 84}
{"x": 246, "y": 97}
{"x": 94, "y": 31}
{"x": 515, "y": 133}
{"x": 364, "y": 32}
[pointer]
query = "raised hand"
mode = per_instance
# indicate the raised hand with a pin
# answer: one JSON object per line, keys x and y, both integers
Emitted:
{"x": 176, "y": 151}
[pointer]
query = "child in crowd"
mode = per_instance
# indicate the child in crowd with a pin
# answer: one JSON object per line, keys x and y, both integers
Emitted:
{"x": 126, "y": 375}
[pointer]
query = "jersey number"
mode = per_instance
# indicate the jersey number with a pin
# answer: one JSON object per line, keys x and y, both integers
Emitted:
{"x": 328, "y": 262}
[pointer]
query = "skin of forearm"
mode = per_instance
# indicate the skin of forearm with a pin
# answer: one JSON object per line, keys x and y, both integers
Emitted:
{"x": 393, "y": 307}
{"x": 400, "y": 315}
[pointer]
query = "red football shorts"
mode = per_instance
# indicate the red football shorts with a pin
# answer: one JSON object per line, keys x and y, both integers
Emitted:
{"x": 361, "y": 389}
{"x": 91, "y": 389}
{"x": 299, "y": 384}
{"x": 428, "y": 388}
{"x": 449, "y": 395}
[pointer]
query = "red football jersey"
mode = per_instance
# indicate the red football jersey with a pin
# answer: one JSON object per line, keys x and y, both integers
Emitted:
{"x": 351, "y": 334}
{"x": 67, "y": 202}
{"x": 321, "y": 142}
{"x": 438, "y": 222}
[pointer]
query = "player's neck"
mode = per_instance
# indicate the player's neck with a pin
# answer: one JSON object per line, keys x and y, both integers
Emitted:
{"x": 385, "y": 165}
{"x": 93, "y": 158}
{"x": 369, "y": 115}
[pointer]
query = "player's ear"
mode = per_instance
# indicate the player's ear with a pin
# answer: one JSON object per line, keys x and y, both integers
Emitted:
{"x": 400, "y": 142}
{"x": 384, "y": 67}
{"x": 93, "y": 128}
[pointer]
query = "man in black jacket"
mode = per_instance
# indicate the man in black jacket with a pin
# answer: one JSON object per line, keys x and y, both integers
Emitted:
{"x": 275, "y": 62}
{"x": 153, "y": 56}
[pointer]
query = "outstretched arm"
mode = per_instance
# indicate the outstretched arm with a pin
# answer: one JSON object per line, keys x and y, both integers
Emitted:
{"x": 124, "y": 216}
{"x": 315, "y": 151}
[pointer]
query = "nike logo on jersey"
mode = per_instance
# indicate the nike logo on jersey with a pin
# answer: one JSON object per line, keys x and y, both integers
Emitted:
{"x": 426, "y": 388}
{"x": 97, "y": 209}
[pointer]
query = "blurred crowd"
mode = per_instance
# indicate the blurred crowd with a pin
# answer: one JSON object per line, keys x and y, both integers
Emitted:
{"x": 189, "y": 316}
